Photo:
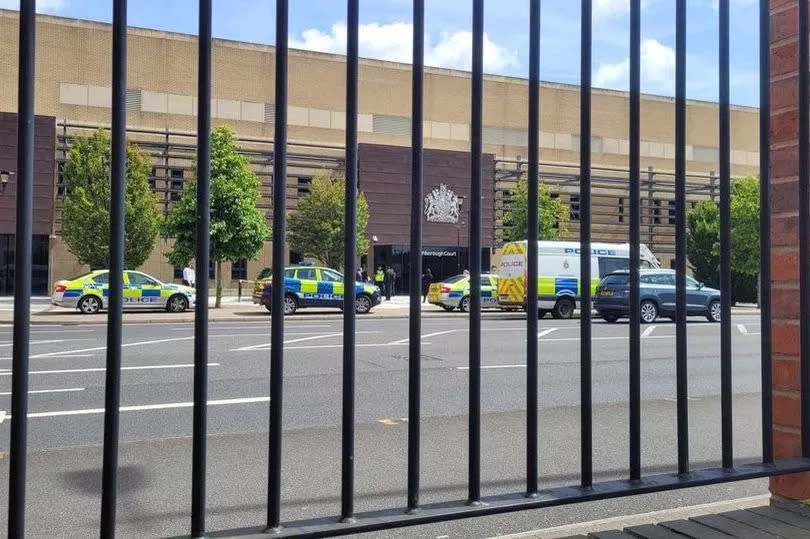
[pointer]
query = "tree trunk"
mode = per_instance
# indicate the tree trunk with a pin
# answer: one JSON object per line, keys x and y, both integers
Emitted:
{"x": 219, "y": 284}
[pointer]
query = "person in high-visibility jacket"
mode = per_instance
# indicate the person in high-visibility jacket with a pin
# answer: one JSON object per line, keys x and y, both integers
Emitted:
{"x": 379, "y": 277}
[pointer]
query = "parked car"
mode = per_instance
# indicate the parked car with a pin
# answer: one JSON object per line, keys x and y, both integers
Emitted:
{"x": 312, "y": 286}
{"x": 89, "y": 293}
{"x": 454, "y": 292}
{"x": 657, "y": 289}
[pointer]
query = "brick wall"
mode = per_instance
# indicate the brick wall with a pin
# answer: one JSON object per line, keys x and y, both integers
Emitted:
{"x": 785, "y": 245}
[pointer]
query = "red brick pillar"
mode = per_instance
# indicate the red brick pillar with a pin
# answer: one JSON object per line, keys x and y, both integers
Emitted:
{"x": 785, "y": 245}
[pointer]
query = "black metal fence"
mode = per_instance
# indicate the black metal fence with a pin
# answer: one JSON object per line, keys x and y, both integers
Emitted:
{"x": 476, "y": 504}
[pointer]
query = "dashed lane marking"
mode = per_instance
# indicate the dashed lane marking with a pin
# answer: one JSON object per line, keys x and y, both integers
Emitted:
{"x": 7, "y": 372}
{"x": 648, "y": 331}
{"x": 65, "y": 390}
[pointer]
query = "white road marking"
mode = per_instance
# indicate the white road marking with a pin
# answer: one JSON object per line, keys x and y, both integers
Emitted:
{"x": 325, "y": 346}
{"x": 64, "y": 355}
{"x": 65, "y": 390}
{"x": 7, "y": 372}
{"x": 546, "y": 332}
{"x": 494, "y": 367}
{"x": 266, "y": 345}
{"x": 647, "y": 332}
{"x": 406, "y": 339}
{"x": 742, "y": 329}
{"x": 292, "y": 326}
{"x": 52, "y": 341}
{"x": 141, "y": 407}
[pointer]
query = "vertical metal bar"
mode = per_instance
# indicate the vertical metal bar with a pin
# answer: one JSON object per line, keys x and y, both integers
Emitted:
{"x": 635, "y": 239}
{"x": 531, "y": 251}
{"x": 476, "y": 158}
{"x": 804, "y": 223}
{"x": 680, "y": 236}
{"x": 727, "y": 426}
{"x": 115, "y": 300}
{"x": 198, "y": 464}
{"x": 765, "y": 225}
{"x": 277, "y": 289}
{"x": 586, "y": 412}
{"x": 415, "y": 316}
{"x": 349, "y": 264}
{"x": 22, "y": 271}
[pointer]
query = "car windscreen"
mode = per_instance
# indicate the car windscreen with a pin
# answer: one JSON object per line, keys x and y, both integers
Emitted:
{"x": 454, "y": 279}
{"x": 619, "y": 279}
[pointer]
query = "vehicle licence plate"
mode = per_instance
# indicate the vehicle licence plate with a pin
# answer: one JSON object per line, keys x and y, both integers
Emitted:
{"x": 606, "y": 293}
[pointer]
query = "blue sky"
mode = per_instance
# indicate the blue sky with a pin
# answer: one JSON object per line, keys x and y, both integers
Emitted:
{"x": 385, "y": 33}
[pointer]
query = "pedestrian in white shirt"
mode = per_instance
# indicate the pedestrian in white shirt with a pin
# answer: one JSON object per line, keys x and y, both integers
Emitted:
{"x": 189, "y": 276}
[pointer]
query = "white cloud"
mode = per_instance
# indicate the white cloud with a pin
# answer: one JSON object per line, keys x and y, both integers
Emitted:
{"x": 394, "y": 42}
{"x": 716, "y": 3}
{"x": 613, "y": 8}
{"x": 43, "y": 6}
{"x": 657, "y": 70}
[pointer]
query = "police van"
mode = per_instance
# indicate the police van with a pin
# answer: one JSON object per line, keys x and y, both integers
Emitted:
{"x": 558, "y": 286}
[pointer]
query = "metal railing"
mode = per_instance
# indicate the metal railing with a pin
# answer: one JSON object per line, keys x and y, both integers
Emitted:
{"x": 476, "y": 504}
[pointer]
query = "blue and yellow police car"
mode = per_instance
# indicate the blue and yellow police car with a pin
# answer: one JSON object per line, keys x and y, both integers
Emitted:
{"x": 89, "y": 293}
{"x": 313, "y": 286}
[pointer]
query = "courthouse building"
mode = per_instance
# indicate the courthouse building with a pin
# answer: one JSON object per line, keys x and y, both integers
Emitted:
{"x": 73, "y": 79}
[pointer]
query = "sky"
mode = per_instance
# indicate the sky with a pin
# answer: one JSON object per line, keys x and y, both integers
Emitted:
{"x": 385, "y": 33}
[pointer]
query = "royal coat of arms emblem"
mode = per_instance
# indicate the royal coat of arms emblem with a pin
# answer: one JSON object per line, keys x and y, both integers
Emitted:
{"x": 442, "y": 205}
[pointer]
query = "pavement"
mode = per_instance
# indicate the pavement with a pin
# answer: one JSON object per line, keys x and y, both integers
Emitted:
{"x": 235, "y": 310}
{"x": 67, "y": 396}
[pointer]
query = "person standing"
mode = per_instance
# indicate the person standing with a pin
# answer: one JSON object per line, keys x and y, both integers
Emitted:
{"x": 189, "y": 275}
{"x": 358, "y": 276}
{"x": 427, "y": 279}
{"x": 379, "y": 278}
{"x": 390, "y": 280}
{"x": 364, "y": 273}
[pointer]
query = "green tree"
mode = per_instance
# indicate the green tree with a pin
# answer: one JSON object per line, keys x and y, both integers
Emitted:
{"x": 703, "y": 239}
{"x": 86, "y": 209}
{"x": 238, "y": 228}
{"x": 316, "y": 228}
{"x": 550, "y": 214}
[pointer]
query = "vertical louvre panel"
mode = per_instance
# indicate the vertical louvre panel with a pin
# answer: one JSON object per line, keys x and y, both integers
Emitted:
{"x": 133, "y": 99}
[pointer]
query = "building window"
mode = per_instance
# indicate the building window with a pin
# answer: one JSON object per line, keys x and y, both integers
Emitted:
{"x": 671, "y": 212}
{"x": 212, "y": 270}
{"x": 304, "y": 184}
{"x": 655, "y": 212}
{"x": 621, "y": 210}
{"x": 152, "y": 176}
{"x": 239, "y": 270}
{"x": 178, "y": 273}
{"x": 573, "y": 207}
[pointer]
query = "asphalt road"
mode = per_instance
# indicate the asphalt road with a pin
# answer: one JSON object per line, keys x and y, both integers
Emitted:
{"x": 67, "y": 398}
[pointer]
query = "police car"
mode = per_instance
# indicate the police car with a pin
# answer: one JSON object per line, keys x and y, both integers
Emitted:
{"x": 311, "y": 286}
{"x": 454, "y": 293}
{"x": 89, "y": 293}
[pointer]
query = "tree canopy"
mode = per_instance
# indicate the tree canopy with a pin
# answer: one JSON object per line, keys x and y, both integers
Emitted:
{"x": 86, "y": 209}
{"x": 238, "y": 229}
{"x": 703, "y": 239}
{"x": 316, "y": 228}
{"x": 550, "y": 213}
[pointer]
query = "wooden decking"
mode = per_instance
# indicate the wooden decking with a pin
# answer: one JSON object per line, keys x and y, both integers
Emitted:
{"x": 786, "y": 520}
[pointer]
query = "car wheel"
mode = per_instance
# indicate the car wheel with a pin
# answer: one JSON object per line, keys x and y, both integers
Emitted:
{"x": 290, "y": 305}
{"x": 563, "y": 309}
{"x": 610, "y": 318}
{"x": 362, "y": 304}
{"x": 649, "y": 312}
{"x": 89, "y": 305}
{"x": 177, "y": 304}
{"x": 715, "y": 311}
{"x": 448, "y": 308}
{"x": 464, "y": 306}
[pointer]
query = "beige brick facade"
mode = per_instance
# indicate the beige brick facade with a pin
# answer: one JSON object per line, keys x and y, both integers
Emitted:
{"x": 74, "y": 77}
